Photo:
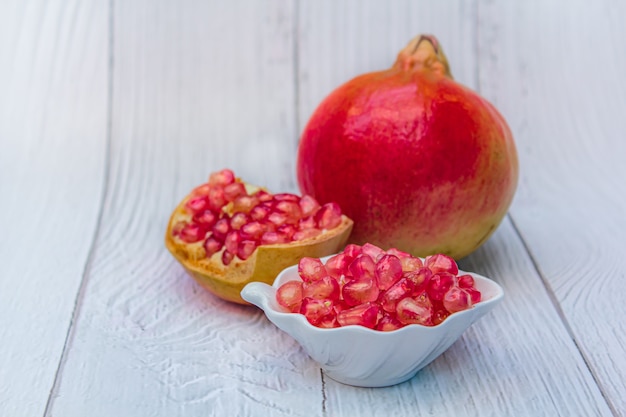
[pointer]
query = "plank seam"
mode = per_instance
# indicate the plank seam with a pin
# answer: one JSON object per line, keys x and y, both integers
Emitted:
{"x": 105, "y": 190}
{"x": 562, "y": 316}
{"x": 296, "y": 67}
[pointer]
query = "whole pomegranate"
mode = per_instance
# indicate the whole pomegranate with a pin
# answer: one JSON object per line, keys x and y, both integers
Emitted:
{"x": 418, "y": 161}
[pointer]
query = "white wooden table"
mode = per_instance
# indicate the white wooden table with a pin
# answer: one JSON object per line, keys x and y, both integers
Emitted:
{"x": 110, "y": 111}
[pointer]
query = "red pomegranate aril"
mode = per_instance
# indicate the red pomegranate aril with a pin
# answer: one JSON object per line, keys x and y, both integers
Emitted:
{"x": 311, "y": 269}
{"x": 388, "y": 271}
{"x": 326, "y": 287}
{"x": 246, "y": 249}
{"x": 439, "y": 315}
{"x": 441, "y": 263}
{"x": 259, "y": 212}
{"x": 439, "y": 284}
{"x": 192, "y": 233}
{"x": 178, "y": 227}
{"x": 227, "y": 257}
{"x": 388, "y": 323}
{"x": 286, "y": 229}
{"x": 337, "y": 265}
{"x": 238, "y": 220}
{"x": 286, "y": 197}
{"x": 221, "y": 229}
{"x": 234, "y": 190}
{"x": 216, "y": 199}
{"x": 352, "y": 250}
{"x": 373, "y": 251}
{"x": 306, "y": 234}
{"x": 253, "y": 230}
{"x": 212, "y": 246}
{"x": 398, "y": 253}
{"x": 307, "y": 223}
{"x": 201, "y": 190}
{"x": 417, "y": 310}
{"x": 232, "y": 240}
{"x": 328, "y": 216}
{"x": 365, "y": 315}
{"x": 475, "y": 295}
{"x": 362, "y": 267}
{"x": 277, "y": 218}
{"x": 402, "y": 289}
{"x": 197, "y": 204}
{"x": 314, "y": 310}
{"x": 289, "y": 295}
{"x": 223, "y": 177}
{"x": 456, "y": 299}
{"x": 411, "y": 264}
{"x": 328, "y": 322}
{"x": 263, "y": 196}
{"x": 420, "y": 278}
{"x": 358, "y": 292}
{"x": 272, "y": 238}
{"x": 465, "y": 281}
{"x": 244, "y": 203}
{"x": 291, "y": 209}
{"x": 308, "y": 205}
{"x": 206, "y": 218}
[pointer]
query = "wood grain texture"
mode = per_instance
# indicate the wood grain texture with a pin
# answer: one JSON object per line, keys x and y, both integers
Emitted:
{"x": 194, "y": 84}
{"x": 561, "y": 87}
{"x": 53, "y": 113}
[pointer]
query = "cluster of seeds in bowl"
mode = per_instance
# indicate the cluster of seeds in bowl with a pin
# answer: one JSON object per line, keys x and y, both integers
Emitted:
{"x": 225, "y": 217}
{"x": 382, "y": 290}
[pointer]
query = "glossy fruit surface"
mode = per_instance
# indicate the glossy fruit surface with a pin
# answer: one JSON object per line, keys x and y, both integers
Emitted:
{"x": 227, "y": 233}
{"x": 417, "y": 160}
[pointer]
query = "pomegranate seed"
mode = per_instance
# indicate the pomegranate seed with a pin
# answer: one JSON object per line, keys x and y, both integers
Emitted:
{"x": 363, "y": 267}
{"x": 419, "y": 278}
{"x": 439, "y": 284}
{"x": 221, "y": 229}
{"x": 272, "y": 238}
{"x": 216, "y": 199}
{"x": 259, "y": 212}
{"x": 417, "y": 310}
{"x": 286, "y": 229}
{"x": 263, "y": 196}
{"x": 212, "y": 246}
{"x": 252, "y": 231}
{"x": 245, "y": 249}
{"x": 314, "y": 310}
{"x": 308, "y": 205}
{"x": 307, "y": 223}
{"x": 411, "y": 264}
{"x": 439, "y": 315}
{"x": 326, "y": 287}
{"x": 338, "y": 265}
{"x": 359, "y": 292}
{"x": 362, "y": 315}
{"x": 289, "y": 295}
{"x": 197, "y": 204}
{"x": 206, "y": 218}
{"x": 238, "y": 220}
{"x": 290, "y": 209}
{"x": 401, "y": 289}
{"x": 352, "y": 250}
{"x": 456, "y": 299}
{"x": 465, "y": 281}
{"x": 328, "y": 216}
{"x": 227, "y": 257}
{"x": 201, "y": 190}
{"x": 328, "y": 322}
{"x": 223, "y": 177}
{"x": 244, "y": 203}
{"x": 388, "y": 323}
{"x": 234, "y": 190}
{"x": 287, "y": 197}
{"x": 398, "y": 253}
{"x": 277, "y": 218}
{"x": 231, "y": 241}
{"x": 192, "y": 233}
{"x": 441, "y": 263}
{"x": 306, "y": 234}
{"x": 372, "y": 250}
{"x": 475, "y": 295}
{"x": 388, "y": 271}
{"x": 311, "y": 269}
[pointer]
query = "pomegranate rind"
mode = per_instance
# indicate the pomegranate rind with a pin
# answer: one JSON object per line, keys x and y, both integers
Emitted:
{"x": 265, "y": 263}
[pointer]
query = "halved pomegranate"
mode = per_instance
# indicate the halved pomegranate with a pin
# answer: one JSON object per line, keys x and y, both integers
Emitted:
{"x": 227, "y": 233}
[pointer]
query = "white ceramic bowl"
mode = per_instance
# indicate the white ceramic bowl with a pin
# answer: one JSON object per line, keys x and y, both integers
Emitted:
{"x": 356, "y": 355}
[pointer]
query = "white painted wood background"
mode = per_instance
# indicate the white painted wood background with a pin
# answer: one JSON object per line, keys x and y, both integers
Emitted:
{"x": 110, "y": 111}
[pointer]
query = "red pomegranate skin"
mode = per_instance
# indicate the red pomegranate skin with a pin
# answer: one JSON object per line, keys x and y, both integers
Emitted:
{"x": 417, "y": 160}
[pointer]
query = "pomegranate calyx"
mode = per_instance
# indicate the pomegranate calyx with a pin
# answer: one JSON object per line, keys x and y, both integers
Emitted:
{"x": 424, "y": 53}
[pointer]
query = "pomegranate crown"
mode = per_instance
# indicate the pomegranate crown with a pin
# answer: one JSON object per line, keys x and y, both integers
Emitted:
{"x": 423, "y": 53}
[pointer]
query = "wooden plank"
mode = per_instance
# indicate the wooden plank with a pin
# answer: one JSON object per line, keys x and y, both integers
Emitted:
{"x": 501, "y": 366}
{"x": 197, "y": 86}
{"x": 557, "y": 73}
{"x": 53, "y": 122}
